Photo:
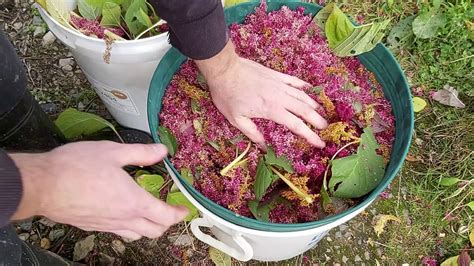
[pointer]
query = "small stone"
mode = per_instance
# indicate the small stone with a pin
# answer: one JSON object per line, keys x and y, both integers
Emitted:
{"x": 47, "y": 222}
{"x": 25, "y": 225}
{"x": 49, "y": 108}
{"x": 63, "y": 62}
{"x": 442, "y": 235}
{"x": 56, "y": 234}
{"x": 343, "y": 227}
{"x": 37, "y": 20}
{"x": 34, "y": 238}
{"x": 24, "y": 236}
{"x": 48, "y": 39}
{"x": 359, "y": 242}
{"x": 344, "y": 259}
{"x": 181, "y": 240}
{"x": 328, "y": 250}
{"x": 39, "y": 31}
{"x": 357, "y": 258}
{"x": 367, "y": 255}
{"x": 83, "y": 247}
{"x": 418, "y": 141}
{"x": 67, "y": 68}
{"x": 17, "y": 26}
{"x": 118, "y": 246}
{"x": 45, "y": 243}
{"x": 105, "y": 259}
{"x": 81, "y": 107}
{"x": 338, "y": 234}
{"x": 328, "y": 239}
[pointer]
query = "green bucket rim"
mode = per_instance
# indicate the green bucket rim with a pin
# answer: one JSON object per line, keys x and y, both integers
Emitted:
{"x": 403, "y": 133}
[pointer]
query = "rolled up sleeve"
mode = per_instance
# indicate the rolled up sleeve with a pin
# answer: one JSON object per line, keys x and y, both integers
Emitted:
{"x": 10, "y": 188}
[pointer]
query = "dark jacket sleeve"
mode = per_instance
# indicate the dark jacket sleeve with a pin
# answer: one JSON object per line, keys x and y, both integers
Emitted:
{"x": 197, "y": 27}
{"x": 10, "y": 188}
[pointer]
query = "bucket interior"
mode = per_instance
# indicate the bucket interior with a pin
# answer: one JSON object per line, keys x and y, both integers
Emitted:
{"x": 379, "y": 61}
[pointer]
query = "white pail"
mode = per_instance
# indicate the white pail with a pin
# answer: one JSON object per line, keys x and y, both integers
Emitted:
{"x": 123, "y": 83}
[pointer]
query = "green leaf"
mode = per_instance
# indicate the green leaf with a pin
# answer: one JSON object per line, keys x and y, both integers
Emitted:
{"x": 195, "y": 108}
{"x": 141, "y": 172}
{"x": 144, "y": 18}
{"x": 390, "y": 3}
{"x": 178, "y": 199}
{"x": 449, "y": 181}
{"x": 418, "y": 104}
{"x": 187, "y": 175}
{"x": 453, "y": 261}
{"x": 151, "y": 183}
{"x": 201, "y": 80}
{"x": 281, "y": 161}
{"x": 356, "y": 175}
{"x": 133, "y": 17}
{"x": 326, "y": 201}
{"x": 74, "y": 123}
{"x": 214, "y": 145}
{"x": 471, "y": 205}
{"x": 363, "y": 39}
{"x": 111, "y": 14}
{"x": 96, "y": 3}
{"x": 426, "y": 24}
{"x": 168, "y": 139}
{"x": 197, "y": 126}
{"x": 261, "y": 212}
{"x": 401, "y": 35}
{"x": 58, "y": 9}
{"x": 322, "y": 16}
{"x": 218, "y": 257}
{"x": 263, "y": 179}
{"x": 338, "y": 27}
{"x": 87, "y": 10}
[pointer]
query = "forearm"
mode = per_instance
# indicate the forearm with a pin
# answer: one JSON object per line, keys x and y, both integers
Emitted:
{"x": 11, "y": 188}
{"x": 197, "y": 27}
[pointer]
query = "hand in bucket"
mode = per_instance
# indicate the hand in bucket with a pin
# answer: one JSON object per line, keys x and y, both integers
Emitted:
{"x": 83, "y": 184}
{"x": 242, "y": 89}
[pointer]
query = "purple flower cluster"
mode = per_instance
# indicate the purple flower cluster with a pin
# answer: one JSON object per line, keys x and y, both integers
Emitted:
{"x": 208, "y": 142}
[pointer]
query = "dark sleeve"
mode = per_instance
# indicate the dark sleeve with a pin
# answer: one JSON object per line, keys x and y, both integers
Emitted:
{"x": 10, "y": 188}
{"x": 197, "y": 27}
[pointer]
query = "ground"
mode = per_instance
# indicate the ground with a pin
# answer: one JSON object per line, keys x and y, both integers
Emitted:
{"x": 432, "y": 224}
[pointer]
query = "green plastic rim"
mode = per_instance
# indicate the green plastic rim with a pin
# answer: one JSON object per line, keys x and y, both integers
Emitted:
{"x": 379, "y": 61}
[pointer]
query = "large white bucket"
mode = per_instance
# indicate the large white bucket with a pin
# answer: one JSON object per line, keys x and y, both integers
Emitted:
{"x": 123, "y": 83}
{"x": 245, "y": 244}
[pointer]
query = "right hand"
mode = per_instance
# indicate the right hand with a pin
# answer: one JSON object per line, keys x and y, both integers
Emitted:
{"x": 83, "y": 184}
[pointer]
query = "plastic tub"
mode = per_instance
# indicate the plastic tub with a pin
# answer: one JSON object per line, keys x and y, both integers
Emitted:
{"x": 244, "y": 238}
{"x": 122, "y": 84}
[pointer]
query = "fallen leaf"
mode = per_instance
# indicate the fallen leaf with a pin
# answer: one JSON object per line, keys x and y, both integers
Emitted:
{"x": 412, "y": 158}
{"x": 449, "y": 181}
{"x": 59, "y": 10}
{"x": 381, "y": 220}
{"x": 471, "y": 236}
{"x": 418, "y": 104}
{"x": 453, "y": 261}
{"x": 427, "y": 24}
{"x": 448, "y": 96}
{"x": 83, "y": 247}
{"x": 219, "y": 258}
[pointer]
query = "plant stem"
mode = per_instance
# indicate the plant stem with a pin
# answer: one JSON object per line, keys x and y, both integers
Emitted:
{"x": 334, "y": 156}
{"x": 298, "y": 191}
{"x": 118, "y": 135}
{"x": 150, "y": 28}
{"x": 235, "y": 161}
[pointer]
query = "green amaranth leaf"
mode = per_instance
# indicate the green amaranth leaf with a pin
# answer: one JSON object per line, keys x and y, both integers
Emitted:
{"x": 168, "y": 139}
{"x": 96, "y": 3}
{"x": 263, "y": 179}
{"x": 195, "y": 108}
{"x": 134, "y": 25}
{"x": 151, "y": 183}
{"x": 144, "y": 18}
{"x": 58, "y": 9}
{"x": 322, "y": 16}
{"x": 178, "y": 199}
{"x": 281, "y": 161}
{"x": 187, "y": 175}
{"x": 197, "y": 126}
{"x": 338, "y": 27}
{"x": 111, "y": 14}
{"x": 471, "y": 205}
{"x": 87, "y": 10}
{"x": 74, "y": 123}
{"x": 218, "y": 257}
{"x": 141, "y": 172}
{"x": 326, "y": 200}
{"x": 356, "y": 175}
{"x": 401, "y": 34}
{"x": 426, "y": 24}
{"x": 452, "y": 261}
{"x": 449, "y": 181}
{"x": 261, "y": 212}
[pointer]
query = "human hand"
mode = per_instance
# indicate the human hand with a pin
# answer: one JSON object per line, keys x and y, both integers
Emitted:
{"x": 242, "y": 89}
{"x": 83, "y": 184}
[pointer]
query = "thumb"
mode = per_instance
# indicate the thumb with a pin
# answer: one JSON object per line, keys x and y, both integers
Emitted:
{"x": 248, "y": 127}
{"x": 138, "y": 154}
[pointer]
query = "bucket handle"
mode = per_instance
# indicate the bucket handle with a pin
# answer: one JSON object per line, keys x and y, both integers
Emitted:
{"x": 247, "y": 251}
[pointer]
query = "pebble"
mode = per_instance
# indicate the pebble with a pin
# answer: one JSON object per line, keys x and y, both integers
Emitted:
{"x": 45, "y": 243}
{"x": 344, "y": 259}
{"x": 48, "y": 39}
{"x": 329, "y": 239}
{"x": 47, "y": 222}
{"x": 37, "y": 20}
{"x": 39, "y": 30}
{"x": 24, "y": 236}
{"x": 343, "y": 227}
{"x": 338, "y": 234}
{"x": 17, "y": 26}
{"x": 357, "y": 258}
{"x": 34, "y": 238}
{"x": 367, "y": 255}
{"x": 442, "y": 235}
{"x": 66, "y": 64}
{"x": 26, "y": 225}
{"x": 56, "y": 234}
{"x": 118, "y": 246}
{"x": 49, "y": 108}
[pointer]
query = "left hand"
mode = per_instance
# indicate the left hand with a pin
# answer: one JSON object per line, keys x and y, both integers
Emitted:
{"x": 242, "y": 89}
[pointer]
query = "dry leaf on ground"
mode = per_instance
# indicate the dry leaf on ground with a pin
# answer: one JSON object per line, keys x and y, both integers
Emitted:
{"x": 381, "y": 220}
{"x": 448, "y": 96}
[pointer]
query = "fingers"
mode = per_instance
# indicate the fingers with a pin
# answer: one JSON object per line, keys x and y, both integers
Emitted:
{"x": 294, "y": 81}
{"x": 305, "y": 112}
{"x": 144, "y": 227}
{"x": 248, "y": 127}
{"x": 161, "y": 213}
{"x": 296, "y": 125}
{"x": 138, "y": 154}
{"x": 302, "y": 96}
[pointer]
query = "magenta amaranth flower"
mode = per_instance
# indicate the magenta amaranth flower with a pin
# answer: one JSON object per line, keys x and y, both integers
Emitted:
{"x": 93, "y": 27}
{"x": 429, "y": 261}
{"x": 280, "y": 41}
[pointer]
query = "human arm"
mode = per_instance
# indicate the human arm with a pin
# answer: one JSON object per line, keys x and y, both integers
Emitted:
{"x": 83, "y": 184}
{"x": 240, "y": 89}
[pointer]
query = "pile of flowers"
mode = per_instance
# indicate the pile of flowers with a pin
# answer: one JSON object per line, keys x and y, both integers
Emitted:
{"x": 291, "y": 181}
